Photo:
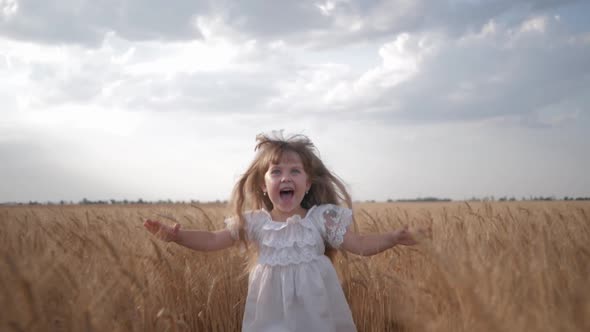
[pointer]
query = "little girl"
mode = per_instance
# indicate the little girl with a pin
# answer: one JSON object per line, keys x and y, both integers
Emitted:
{"x": 294, "y": 222}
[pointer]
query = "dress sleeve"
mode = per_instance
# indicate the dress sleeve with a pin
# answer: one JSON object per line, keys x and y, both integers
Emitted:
{"x": 251, "y": 226}
{"x": 334, "y": 221}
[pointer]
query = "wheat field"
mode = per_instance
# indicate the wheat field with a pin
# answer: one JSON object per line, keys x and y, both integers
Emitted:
{"x": 492, "y": 266}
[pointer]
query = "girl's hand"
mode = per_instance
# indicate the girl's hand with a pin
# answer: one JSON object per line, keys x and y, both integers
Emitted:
{"x": 405, "y": 237}
{"x": 161, "y": 231}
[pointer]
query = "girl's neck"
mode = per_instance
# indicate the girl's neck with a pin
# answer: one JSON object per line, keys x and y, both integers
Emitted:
{"x": 283, "y": 216}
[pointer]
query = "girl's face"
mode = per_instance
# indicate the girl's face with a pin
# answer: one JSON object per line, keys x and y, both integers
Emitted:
{"x": 285, "y": 184}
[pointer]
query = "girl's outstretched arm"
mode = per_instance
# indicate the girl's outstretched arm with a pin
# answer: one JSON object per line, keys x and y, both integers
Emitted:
{"x": 371, "y": 244}
{"x": 193, "y": 239}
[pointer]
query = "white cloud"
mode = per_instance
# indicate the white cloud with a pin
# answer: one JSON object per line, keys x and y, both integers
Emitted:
{"x": 327, "y": 7}
{"x": 9, "y": 8}
{"x": 310, "y": 88}
{"x": 401, "y": 60}
{"x": 536, "y": 24}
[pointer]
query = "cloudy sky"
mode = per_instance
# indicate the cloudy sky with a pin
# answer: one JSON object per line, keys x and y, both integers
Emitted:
{"x": 163, "y": 99}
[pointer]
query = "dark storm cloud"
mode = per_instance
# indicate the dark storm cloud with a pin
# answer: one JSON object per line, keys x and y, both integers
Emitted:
{"x": 275, "y": 19}
{"x": 307, "y": 22}
{"x": 456, "y": 16}
{"x": 302, "y": 22}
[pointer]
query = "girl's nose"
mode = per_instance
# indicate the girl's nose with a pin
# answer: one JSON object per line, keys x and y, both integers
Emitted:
{"x": 285, "y": 179}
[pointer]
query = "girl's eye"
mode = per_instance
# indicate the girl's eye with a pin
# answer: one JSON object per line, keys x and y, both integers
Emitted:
{"x": 275, "y": 171}
{"x": 296, "y": 171}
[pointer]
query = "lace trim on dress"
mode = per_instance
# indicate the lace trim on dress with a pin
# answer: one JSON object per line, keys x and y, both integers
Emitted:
{"x": 278, "y": 241}
{"x": 287, "y": 256}
{"x": 294, "y": 231}
{"x": 279, "y": 225}
{"x": 276, "y": 225}
{"x": 336, "y": 222}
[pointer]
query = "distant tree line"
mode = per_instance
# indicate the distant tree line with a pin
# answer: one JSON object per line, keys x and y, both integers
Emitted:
{"x": 86, "y": 201}
{"x": 420, "y": 199}
{"x": 530, "y": 198}
{"x": 488, "y": 199}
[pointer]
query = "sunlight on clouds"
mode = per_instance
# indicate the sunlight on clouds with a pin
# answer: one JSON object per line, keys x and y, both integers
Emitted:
{"x": 342, "y": 19}
{"x": 401, "y": 60}
{"x": 119, "y": 71}
{"x": 186, "y": 57}
{"x": 309, "y": 88}
{"x": 488, "y": 30}
{"x": 334, "y": 86}
{"x": 9, "y": 8}
{"x": 356, "y": 25}
{"x": 397, "y": 55}
{"x": 536, "y": 24}
{"x": 326, "y": 8}
{"x": 88, "y": 119}
{"x": 531, "y": 31}
{"x": 108, "y": 89}
{"x": 212, "y": 55}
{"x": 42, "y": 76}
{"x": 120, "y": 59}
{"x": 214, "y": 27}
{"x": 26, "y": 53}
{"x": 499, "y": 34}
{"x": 277, "y": 45}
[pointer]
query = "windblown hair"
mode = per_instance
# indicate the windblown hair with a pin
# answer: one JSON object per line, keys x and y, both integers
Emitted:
{"x": 326, "y": 188}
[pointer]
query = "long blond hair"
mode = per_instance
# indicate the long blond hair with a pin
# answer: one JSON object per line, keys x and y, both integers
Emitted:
{"x": 326, "y": 187}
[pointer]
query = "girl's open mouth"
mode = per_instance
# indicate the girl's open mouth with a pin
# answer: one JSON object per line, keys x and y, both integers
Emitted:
{"x": 286, "y": 194}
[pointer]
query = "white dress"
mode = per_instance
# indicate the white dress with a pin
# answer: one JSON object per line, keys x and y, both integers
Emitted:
{"x": 294, "y": 286}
